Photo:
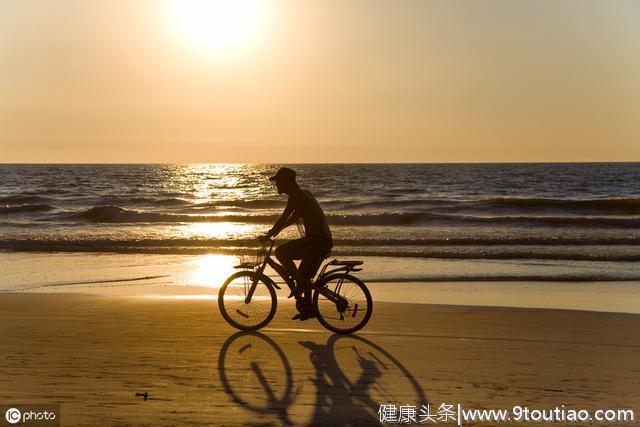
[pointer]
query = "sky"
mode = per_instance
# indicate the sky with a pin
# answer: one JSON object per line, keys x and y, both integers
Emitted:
{"x": 288, "y": 81}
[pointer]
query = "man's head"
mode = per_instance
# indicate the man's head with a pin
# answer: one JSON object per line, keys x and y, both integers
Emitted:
{"x": 285, "y": 180}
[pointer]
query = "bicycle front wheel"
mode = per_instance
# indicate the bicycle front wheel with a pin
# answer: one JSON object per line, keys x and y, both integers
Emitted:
{"x": 344, "y": 304}
{"x": 242, "y": 312}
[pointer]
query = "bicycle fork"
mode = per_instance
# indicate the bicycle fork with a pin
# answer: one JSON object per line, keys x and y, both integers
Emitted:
{"x": 252, "y": 289}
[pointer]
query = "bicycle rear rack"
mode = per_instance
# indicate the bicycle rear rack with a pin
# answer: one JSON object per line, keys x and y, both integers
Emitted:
{"x": 346, "y": 266}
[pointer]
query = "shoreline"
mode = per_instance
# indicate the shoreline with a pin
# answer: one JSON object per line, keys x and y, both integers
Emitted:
{"x": 115, "y": 274}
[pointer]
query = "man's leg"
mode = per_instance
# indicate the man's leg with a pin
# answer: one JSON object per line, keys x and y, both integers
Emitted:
{"x": 286, "y": 254}
{"x": 305, "y": 283}
{"x": 311, "y": 251}
{"x": 314, "y": 253}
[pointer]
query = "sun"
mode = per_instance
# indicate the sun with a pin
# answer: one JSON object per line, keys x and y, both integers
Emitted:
{"x": 219, "y": 26}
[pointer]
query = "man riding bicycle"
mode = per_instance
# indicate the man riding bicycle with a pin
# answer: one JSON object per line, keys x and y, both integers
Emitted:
{"x": 310, "y": 249}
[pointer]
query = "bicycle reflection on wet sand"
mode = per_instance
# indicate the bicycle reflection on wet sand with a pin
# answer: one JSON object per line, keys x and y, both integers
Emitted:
{"x": 352, "y": 377}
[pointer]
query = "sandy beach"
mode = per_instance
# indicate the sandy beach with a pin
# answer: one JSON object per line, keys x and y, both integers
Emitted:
{"x": 456, "y": 183}
{"x": 92, "y": 354}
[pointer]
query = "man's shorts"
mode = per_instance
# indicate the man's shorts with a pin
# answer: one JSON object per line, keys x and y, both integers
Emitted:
{"x": 311, "y": 250}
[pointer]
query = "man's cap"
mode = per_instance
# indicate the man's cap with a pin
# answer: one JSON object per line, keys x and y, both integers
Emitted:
{"x": 284, "y": 174}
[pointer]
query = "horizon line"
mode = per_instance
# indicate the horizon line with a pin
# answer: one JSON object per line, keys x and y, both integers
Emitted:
{"x": 324, "y": 163}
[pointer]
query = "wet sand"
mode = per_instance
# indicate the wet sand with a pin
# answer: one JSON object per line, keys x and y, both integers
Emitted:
{"x": 92, "y": 354}
{"x": 149, "y": 274}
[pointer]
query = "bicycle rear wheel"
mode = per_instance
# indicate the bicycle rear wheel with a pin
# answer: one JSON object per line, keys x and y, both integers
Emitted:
{"x": 348, "y": 306}
{"x": 240, "y": 313}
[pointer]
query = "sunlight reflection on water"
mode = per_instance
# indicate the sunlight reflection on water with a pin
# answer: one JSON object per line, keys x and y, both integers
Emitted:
{"x": 215, "y": 230}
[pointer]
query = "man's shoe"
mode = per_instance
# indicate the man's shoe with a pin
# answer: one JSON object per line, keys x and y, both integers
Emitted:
{"x": 306, "y": 314}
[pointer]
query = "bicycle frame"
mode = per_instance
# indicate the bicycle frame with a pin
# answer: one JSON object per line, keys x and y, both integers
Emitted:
{"x": 345, "y": 266}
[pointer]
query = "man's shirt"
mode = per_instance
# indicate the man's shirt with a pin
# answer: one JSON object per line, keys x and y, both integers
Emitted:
{"x": 306, "y": 206}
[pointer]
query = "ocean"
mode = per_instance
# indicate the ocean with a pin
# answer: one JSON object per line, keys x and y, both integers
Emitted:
{"x": 481, "y": 221}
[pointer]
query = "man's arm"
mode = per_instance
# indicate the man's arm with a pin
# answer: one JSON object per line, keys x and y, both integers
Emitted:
{"x": 288, "y": 217}
{"x": 292, "y": 220}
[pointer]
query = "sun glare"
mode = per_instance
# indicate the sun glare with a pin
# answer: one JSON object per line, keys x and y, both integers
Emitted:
{"x": 211, "y": 270}
{"x": 219, "y": 26}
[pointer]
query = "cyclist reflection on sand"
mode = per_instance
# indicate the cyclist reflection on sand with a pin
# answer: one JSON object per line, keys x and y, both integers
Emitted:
{"x": 336, "y": 396}
{"x": 351, "y": 377}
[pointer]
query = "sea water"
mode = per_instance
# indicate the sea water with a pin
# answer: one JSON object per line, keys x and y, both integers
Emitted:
{"x": 419, "y": 222}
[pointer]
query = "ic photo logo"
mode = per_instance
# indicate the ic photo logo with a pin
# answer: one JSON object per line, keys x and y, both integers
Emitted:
{"x": 29, "y": 415}
{"x": 13, "y": 415}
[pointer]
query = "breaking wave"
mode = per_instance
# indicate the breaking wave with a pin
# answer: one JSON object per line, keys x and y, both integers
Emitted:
{"x": 115, "y": 214}
{"x": 569, "y": 249}
{"x": 24, "y": 208}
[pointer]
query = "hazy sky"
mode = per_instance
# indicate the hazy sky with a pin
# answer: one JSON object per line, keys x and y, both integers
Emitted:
{"x": 320, "y": 81}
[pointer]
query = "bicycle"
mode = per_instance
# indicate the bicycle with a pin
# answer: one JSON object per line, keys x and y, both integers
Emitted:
{"x": 248, "y": 301}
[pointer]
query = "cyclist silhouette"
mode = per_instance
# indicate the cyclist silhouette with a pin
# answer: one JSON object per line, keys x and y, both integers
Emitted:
{"x": 312, "y": 248}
